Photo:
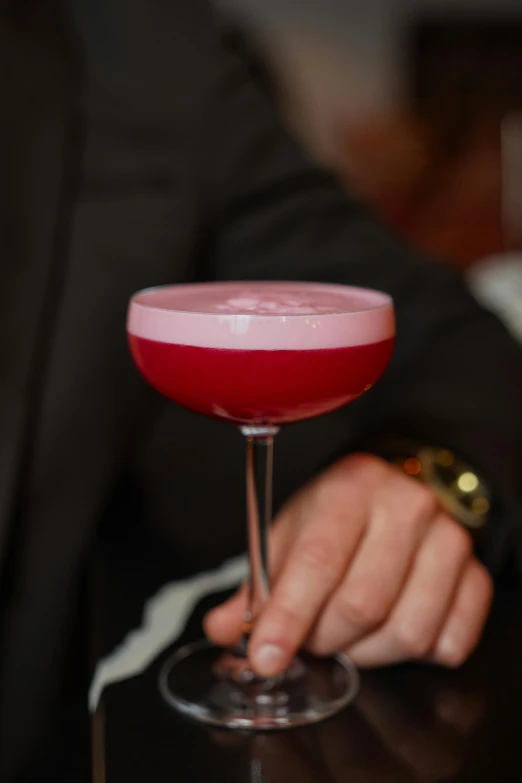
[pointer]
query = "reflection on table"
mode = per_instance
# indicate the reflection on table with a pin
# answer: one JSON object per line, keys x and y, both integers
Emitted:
{"x": 409, "y": 724}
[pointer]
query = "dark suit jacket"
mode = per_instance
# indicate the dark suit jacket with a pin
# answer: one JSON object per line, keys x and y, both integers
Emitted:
{"x": 137, "y": 148}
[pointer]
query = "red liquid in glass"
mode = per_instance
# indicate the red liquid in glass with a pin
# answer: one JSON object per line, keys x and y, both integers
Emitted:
{"x": 259, "y": 386}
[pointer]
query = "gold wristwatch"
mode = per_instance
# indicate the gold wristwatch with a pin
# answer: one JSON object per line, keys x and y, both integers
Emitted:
{"x": 461, "y": 491}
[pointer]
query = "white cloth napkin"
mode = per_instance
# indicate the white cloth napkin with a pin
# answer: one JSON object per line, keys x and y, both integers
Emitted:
{"x": 497, "y": 283}
{"x": 164, "y": 618}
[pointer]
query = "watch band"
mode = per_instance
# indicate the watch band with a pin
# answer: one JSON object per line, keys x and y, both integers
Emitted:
{"x": 460, "y": 489}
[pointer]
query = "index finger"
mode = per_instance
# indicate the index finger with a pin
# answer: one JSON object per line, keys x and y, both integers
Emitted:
{"x": 330, "y": 531}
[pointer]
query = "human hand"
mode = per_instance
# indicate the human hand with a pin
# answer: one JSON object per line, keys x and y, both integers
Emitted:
{"x": 365, "y": 561}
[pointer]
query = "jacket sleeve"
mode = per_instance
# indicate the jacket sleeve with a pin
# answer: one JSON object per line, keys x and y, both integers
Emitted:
{"x": 456, "y": 377}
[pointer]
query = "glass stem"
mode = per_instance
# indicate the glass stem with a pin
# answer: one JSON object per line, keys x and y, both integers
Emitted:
{"x": 259, "y": 462}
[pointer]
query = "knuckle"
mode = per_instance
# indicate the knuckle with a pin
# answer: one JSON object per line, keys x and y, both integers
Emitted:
{"x": 362, "y": 465}
{"x": 361, "y": 609}
{"x": 330, "y": 494}
{"x": 347, "y": 481}
{"x": 363, "y": 460}
{"x": 367, "y": 463}
{"x": 319, "y": 554}
{"x": 460, "y": 539}
{"x": 413, "y": 639}
{"x": 423, "y": 502}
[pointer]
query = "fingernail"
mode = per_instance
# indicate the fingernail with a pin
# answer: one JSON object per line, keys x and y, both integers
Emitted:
{"x": 269, "y": 660}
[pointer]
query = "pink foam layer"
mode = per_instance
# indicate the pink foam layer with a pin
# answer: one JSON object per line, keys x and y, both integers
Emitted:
{"x": 262, "y": 316}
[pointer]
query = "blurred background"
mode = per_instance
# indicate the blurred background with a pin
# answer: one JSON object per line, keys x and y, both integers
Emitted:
{"x": 417, "y": 106}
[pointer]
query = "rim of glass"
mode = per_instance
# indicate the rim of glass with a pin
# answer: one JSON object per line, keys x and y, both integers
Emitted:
{"x": 386, "y": 299}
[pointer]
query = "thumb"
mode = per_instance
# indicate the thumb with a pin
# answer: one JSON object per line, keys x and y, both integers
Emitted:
{"x": 223, "y": 625}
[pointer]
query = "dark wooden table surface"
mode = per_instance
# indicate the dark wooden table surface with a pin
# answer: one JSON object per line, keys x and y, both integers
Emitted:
{"x": 411, "y": 723}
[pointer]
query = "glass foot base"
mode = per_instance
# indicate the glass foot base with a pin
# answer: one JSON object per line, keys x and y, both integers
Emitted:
{"x": 196, "y": 681}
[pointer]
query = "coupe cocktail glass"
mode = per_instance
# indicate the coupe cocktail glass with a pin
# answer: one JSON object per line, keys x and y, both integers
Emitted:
{"x": 259, "y": 355}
